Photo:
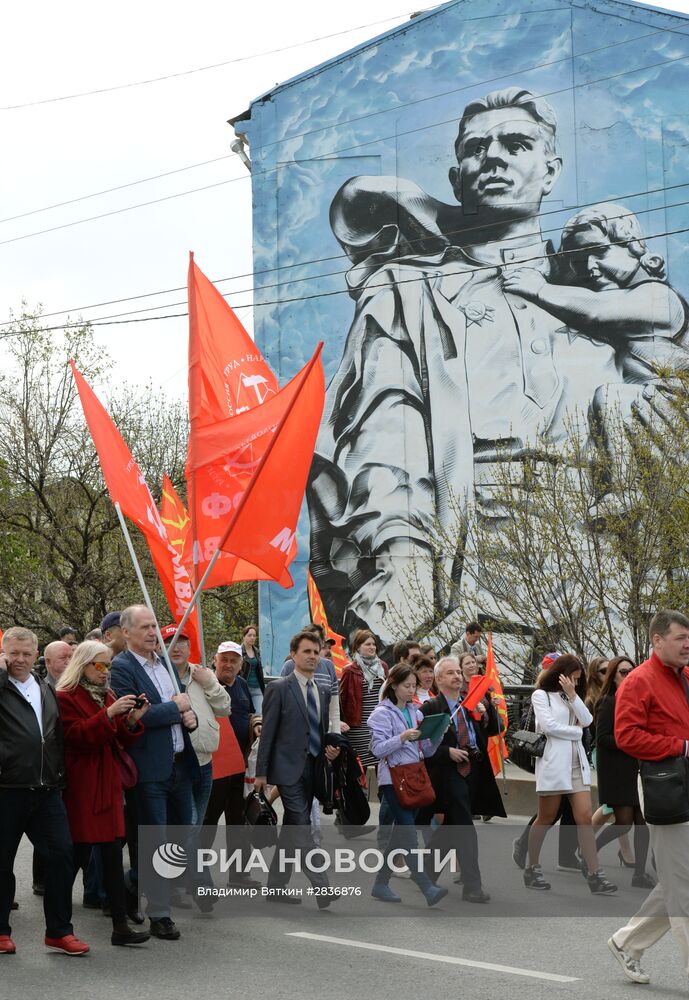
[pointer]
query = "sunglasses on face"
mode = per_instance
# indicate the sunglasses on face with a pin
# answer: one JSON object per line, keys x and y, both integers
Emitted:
{"x": 100, "y": 666}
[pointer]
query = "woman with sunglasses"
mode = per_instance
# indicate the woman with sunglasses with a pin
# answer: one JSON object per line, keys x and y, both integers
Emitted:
{"x": 618, "y": 775}
{"x": 97, "y": 730}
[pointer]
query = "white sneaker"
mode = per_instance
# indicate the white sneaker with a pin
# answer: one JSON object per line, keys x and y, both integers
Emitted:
{"x": 630, "y": 966}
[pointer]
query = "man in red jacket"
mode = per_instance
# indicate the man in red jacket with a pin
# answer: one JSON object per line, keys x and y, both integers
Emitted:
{"x": 652, "y": 723}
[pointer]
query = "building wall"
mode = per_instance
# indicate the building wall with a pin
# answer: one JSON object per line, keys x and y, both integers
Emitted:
{"x": 616, "y": 76}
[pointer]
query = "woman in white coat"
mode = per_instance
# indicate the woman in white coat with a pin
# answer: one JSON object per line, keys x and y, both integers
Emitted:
{"x": 560, "y": 713}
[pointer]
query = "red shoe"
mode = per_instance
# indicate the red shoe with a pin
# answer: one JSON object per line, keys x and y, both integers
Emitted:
{"x": 7, "y": 945}
{"x": 69, "y": 944}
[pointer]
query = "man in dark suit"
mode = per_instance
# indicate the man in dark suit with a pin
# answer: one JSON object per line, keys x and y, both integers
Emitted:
{"x": 164, "y": 757}
{"x": 295, "y": 721}
{"x": 450, "y": 769}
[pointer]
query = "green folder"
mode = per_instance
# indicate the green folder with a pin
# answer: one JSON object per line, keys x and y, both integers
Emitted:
{"x": 433, "y": 726}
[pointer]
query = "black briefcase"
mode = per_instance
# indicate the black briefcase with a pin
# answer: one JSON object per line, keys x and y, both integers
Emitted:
{"x": 260, "y": 816}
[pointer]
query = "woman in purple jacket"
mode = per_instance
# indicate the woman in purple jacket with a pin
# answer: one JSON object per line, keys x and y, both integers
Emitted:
{"x": 395, "y": 741}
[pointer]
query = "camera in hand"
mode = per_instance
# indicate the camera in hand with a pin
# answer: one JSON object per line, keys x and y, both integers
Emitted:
{"x": 475, "y": 754}
{"x": 139, "y": 703}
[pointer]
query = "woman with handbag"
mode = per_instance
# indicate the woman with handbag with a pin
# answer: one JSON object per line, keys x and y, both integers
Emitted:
{"x": 97, "y": 730}
{"x": 618, "y": 776}
{"x": 402, "y": 778}
{"x": 563, "y": 770}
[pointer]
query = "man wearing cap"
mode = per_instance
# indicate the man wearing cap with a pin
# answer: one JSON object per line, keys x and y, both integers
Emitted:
{"x": 567, "y": 841}
{"x": 209, "y": 700}
{"x": 164, "y": 756}
{"x": 112, "y": 632}
{"x": 227, "y": 792}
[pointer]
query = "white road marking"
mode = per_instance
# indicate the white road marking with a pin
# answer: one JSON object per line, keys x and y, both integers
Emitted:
{"x": 446, "y": 959}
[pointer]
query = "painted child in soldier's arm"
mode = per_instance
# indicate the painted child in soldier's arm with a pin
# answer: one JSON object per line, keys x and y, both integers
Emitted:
{"x": 612, "y": 289}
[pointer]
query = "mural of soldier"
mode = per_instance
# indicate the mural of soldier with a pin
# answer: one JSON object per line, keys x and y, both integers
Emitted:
{"x": 470, "y": 340}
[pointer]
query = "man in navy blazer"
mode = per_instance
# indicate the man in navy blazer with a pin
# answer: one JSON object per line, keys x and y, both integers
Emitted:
{"x": 295, "y": 721}
{"x": 164, "y": 757}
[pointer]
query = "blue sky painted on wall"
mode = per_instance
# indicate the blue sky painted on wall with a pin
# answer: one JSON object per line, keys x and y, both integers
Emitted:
{"x": 616, "y": 74}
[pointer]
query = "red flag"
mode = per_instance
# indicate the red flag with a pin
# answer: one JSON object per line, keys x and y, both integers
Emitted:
{"x": 478, "y": 685}
{"x": 262, "y": 531}
{"x": 497, "y": 748}
{"x": 319, "y": 617}
{"x": 227, "y": 378}
{"x": 174, "y": 516}
{"x": 127, "y": 487}
{"x": 228, "y": 758}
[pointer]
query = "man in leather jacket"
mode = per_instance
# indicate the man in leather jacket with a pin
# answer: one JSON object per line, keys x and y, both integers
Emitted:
{"x": 31, "y": 778}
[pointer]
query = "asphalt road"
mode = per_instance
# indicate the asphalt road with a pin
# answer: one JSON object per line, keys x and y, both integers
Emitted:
{"x": 358, "y": 948}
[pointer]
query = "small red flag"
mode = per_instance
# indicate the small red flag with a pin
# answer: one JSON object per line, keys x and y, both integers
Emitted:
{"x": 497, "y": 747}
{"x": 319, "y": 617}
{"x": 478, "y": 685}
{"x": 174, "y": 516}
{"x": 228, "y": 758}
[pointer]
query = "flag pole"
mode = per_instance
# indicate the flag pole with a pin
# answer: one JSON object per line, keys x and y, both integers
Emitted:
{"x": 195, "y": 555}
{"x": 192, "y": 491}
{"x": 245, "y": 497}
{"x": 146, "y": 595}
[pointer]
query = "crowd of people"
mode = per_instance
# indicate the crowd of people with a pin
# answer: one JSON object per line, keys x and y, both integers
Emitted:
{"x": 110, "y": 733}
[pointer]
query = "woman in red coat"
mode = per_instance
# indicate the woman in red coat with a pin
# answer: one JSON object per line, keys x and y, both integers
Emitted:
{"x": 95, "y": 724}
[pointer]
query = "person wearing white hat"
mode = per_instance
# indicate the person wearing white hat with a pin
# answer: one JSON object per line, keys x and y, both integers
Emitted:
{"x": 227, "y": 793}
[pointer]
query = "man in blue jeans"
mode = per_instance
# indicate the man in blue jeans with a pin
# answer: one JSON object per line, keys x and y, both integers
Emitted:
{"x": 164, "y": 756}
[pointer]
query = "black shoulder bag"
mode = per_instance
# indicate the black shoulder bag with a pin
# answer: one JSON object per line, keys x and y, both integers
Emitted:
{"x": 666, "y": 786}
{"x": 527, "y": 745}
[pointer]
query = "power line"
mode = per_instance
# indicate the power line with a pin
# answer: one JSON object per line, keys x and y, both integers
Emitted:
{"x": 324, "y": 128}
{"x": 119, "y": 211}
{"x": 119, "y": 187}
{"x": 342, "y": 291}
{"x": 332, "y": 152}
{"x": 200, "y": 69}
{"x": 321, "y": 260}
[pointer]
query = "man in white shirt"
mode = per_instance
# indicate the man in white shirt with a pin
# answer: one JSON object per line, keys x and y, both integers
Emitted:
{"x": 31, "y": 779}
{"x": 295, "y": 722}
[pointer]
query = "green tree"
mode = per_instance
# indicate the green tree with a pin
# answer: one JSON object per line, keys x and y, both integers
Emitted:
{"x": 64, "y": 558}
{"x": 575, "y": 545}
